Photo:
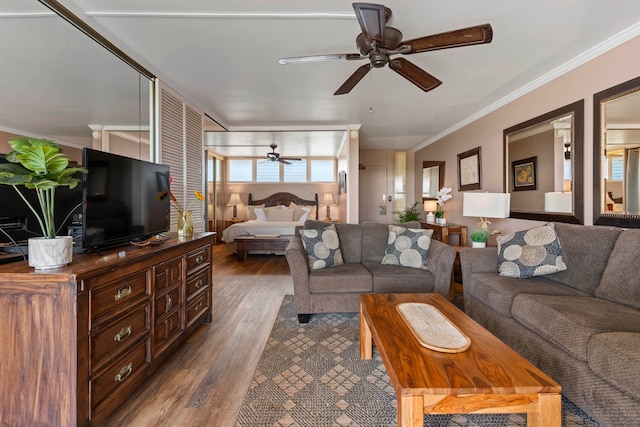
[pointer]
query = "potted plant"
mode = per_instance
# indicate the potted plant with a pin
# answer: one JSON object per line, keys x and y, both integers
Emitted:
{"x": 479, "y": 238}
{"x": 37, "y": 164}
{"x": 443, "y": 195}
{"x": 409, "y": 214}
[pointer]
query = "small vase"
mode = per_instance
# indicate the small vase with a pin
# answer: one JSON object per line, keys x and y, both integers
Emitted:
{"x": 45, "y": 254}
{"x": 185, "y": 224}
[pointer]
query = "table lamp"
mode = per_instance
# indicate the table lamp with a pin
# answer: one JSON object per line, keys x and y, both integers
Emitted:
{"x": 486, "y": 205}
{"x": 430, "y": 206}
{"x": 234, "y": 201}
{"x": 328, "y": 201}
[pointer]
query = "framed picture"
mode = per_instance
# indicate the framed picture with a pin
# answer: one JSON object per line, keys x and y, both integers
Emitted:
{"x": 525, "y": 174}
{"x": 469, "y": 174}
{"x": 342, "y": 182}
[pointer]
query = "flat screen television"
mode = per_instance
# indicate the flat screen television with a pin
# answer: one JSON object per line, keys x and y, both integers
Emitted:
{"x": 124, "y": 199}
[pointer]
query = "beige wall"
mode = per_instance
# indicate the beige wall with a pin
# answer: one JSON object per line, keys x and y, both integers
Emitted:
{"x": 614, "y": 67}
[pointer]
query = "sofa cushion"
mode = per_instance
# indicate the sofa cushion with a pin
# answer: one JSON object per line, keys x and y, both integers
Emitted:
{"x": 586, "y": 252}
{"x": 322, "y": 246}
{"x": 620, "y": 280}
{"x": 529, "y": 253}
{"x": 569, "y": 321}
{"x": 349, "y": 278}
{"x": 407, "y": 247}
{"x": 350, "y": 239}
{"x": 396, "y": 279}
{"x": 498, "y": 292}
{"x": 615, "y": 357}
{"x": 375, "y": 238}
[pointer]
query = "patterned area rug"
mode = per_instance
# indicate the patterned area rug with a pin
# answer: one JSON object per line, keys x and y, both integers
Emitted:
{"x": 312, "y": 375}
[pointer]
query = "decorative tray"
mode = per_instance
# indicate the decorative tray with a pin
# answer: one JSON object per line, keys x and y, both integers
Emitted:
{"x": 432, "y": 329}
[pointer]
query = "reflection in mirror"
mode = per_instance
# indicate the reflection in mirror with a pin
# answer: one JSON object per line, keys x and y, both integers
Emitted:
{"x": 617, "y": 155}
{"x": 432, "y": 179}
{"x": 543, "y": 166}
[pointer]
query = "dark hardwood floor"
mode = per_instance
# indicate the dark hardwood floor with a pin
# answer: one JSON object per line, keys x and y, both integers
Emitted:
{"x": 204, "y": 383}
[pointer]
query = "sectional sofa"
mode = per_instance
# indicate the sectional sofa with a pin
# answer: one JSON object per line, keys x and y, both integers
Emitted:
{"x": 581, "y": 325}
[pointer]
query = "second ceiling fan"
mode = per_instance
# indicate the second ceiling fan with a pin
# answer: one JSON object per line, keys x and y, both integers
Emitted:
{"x": 378, "y": 43}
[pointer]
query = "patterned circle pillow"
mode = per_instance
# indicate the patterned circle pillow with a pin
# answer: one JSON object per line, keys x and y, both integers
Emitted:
{"x": 530, "y": 253}
{"x": 322, "y": 246}
{"x": 408, "y": 247}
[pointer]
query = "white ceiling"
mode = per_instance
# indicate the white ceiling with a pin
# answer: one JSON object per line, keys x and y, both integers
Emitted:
{"x": 223, "y": 57}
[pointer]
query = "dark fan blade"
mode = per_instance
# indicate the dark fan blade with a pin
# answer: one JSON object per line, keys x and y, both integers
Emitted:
{"x": 464, "y": 37}
{"x": 318, "y": 58}
{"x": 414, "y": 74}
{"x": 296, "y": 159}
{"x": 284, "y": 161}
{"x": 372, "y": 19}
{"x": 353, "y": 80}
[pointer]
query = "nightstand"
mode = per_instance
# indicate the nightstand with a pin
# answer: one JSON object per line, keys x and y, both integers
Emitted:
{"x": 228, "y": 223}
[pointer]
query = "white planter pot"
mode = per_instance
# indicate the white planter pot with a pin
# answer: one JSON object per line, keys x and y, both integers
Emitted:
{"x": 45, "y": 254}
{"x": 441, "y": 221}
{"x": 478, "y": 244}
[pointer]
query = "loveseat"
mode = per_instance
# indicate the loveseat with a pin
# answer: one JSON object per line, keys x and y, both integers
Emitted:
{"x": 338, "y": 288}
{"x": 580, "y": 325}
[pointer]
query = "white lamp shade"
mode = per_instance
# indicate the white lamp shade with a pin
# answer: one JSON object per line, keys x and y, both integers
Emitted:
{"x": 486, "y": 205}
{"x": 557, "y": 201}
{"x": 328, "y": 200}
{"x": 430, "y": 205}
{"x": 234, "y": 199}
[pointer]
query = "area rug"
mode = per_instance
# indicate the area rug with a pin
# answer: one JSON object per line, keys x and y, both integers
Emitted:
{"x": 312, "y": 375}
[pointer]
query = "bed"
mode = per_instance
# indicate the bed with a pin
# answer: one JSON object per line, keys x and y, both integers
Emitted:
{"x": 267, "y": 218}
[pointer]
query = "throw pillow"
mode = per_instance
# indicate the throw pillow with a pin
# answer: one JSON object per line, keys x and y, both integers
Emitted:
{"x": 322, "y": 246}
{"x": 408, "y": 247}
{"x": 280, "y": 215}
{"x": 530, "y": 253}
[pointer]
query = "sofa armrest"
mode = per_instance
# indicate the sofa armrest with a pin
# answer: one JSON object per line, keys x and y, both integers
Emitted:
{"x": 299, "y": 266}
{"x": 479, "y": 260}
{"x": 440, "y": 264}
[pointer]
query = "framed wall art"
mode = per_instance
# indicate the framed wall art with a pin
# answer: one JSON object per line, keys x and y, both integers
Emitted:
{"x": 525, "y": 174}
{"x": 469, "y": 174}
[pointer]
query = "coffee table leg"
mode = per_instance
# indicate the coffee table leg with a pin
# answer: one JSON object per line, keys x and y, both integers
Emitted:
{"x": 365, "y": 337}
{"x": 410, "y": 411}
{"x": 549, "y": 411}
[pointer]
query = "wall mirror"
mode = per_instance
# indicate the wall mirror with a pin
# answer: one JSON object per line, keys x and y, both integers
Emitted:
{"x": 58, "y": 83}
{"x": 432, "y": 179}
{"x": 543, "y": 167}
{"x": 616, "y": 155}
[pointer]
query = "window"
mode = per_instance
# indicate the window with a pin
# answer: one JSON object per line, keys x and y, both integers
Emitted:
{"x": 296, "y": 171}
{"x": 267, "y": 171}
{"x": 617, "y": 168}
{"x": 240, "y": 170}
{"x": 323, "y": 170}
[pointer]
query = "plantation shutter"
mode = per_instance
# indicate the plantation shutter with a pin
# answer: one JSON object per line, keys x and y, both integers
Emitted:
{"x": 181, "y": 148}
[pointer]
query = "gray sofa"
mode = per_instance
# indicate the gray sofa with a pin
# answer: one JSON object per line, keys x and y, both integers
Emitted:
{"x": 337, "y": 289}
{"x": 581, "y": 326}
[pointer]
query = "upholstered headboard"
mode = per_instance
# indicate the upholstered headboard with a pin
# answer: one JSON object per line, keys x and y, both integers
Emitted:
{"x": 283, "y": 198}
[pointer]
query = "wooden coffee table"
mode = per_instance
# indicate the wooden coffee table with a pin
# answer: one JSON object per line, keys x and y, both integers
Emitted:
{"x": 260, "y": 243}
{"x": 489, "y": 377}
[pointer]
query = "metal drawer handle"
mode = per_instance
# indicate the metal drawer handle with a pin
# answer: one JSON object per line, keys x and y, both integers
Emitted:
{"x": 199, "y": 259}
{"x": 123, "y": 334}
{"x": 199, "y": 283}
{"x": 169, "y": 302}
{"x": 123, "y": 292}
{"x": 124, "y": 373}
{"x": 198, "y": 306}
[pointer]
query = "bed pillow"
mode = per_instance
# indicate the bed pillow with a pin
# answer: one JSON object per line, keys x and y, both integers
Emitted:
{"x": 304, "y": 216}
{"x": 299, "y": 212}
{"x": 280, "y": 215}
{"x": 529, "y": 253}
{"x": 408, "y": 247}
{"x": 322, "y": 246}
{"x": 260, "y": 214}
{"x": 251, "y": 215}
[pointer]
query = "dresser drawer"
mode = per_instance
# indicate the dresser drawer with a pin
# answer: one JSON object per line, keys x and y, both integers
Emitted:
{"x": 168, "y": 274}
{"x": 198, "y": 259}
{"x": 198, "y": 282}
{"x": 119, "y": 374}
{"x": 118, "y": 294}
{"x": 197, "y": 307}
{"x": 168, "y": 302}
{"x": 118, "y": 335}
{"x": 167, "y": 330}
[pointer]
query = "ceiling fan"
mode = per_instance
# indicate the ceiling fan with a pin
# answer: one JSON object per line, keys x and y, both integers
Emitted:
{"x": 378, "y": 43}
{"x": 275, "y": 157}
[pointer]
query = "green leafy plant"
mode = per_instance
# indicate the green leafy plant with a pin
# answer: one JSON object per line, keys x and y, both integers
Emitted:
{"x": 37, "y": 164}
{"x": 409, "y": 214}
{"x": 480, "y": 236}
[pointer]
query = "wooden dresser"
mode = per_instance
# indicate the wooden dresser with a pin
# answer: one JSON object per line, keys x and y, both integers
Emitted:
{"x": 76, "y": 342}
